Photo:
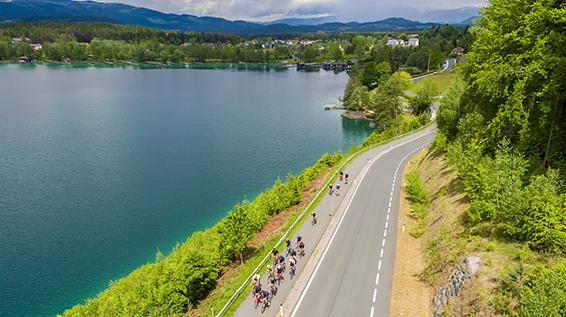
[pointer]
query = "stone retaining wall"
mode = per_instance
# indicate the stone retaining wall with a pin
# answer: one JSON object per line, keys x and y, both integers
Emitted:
{"x": 453, "y": 287}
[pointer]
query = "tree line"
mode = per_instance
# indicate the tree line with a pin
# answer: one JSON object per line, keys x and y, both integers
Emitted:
{"x": 101, "y": 42}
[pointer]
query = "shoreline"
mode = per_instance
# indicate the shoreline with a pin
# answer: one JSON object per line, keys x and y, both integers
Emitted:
{"x": 356, "y": 115}
{"x": 157, "y": 65}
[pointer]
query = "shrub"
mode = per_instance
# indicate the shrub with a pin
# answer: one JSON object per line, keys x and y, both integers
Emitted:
{"x": 544, "y": 294}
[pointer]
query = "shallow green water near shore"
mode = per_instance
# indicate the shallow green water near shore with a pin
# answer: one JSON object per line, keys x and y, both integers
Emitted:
{"x": 99, "y": 167}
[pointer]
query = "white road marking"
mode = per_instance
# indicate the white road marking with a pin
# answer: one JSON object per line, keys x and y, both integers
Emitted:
{"x": 379, "y": 265}
{"x": 385, "y": 233}
{"x": 371, "y": 312}
{"x": 383, "y": 243}
{"x": 387, "y": 222}
{"x": 377, "y": 279}
{"x": 374, "y": 294}
{"x": 381, "y": 253}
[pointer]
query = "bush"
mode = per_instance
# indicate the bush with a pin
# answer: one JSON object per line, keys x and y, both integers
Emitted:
{"x": 531, "y": 210}
{"x": 544, "y": 294}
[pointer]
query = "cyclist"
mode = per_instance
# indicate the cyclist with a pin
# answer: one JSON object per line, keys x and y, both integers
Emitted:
{"x": 281, "y": 260}
{"x": 330, "y": 191}
{"x": 346, "y": 178}
{"x": 302, "y": 248}
{"x": 288, "y": 242}
{"x": 299, "y": 238}
{"x": 273, "y": 284}
{"x": 337, "y": 189}
{"x": 279, "y": 270}
{"x": 275, "y": 252}
{"x": 341, "y": 175}
{"x": 256, "y": 284}
{"x": 292, "y": 263}
{"x": 313, "y": 221}
{"x": 293, "y": 252}
{"x": 264, "y": 298}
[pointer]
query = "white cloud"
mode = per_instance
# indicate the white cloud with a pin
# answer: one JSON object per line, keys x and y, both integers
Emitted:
{"x": 265, "y": 10}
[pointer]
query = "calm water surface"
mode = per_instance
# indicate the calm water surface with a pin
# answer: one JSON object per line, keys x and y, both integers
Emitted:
{"x": 101, "y": 167}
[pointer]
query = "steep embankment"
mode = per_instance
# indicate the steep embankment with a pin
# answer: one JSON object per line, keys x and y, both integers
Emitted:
{"x": 437, "y": 238}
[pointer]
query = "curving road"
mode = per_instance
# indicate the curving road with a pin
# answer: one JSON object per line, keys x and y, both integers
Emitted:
{"x": 349, "y": 270}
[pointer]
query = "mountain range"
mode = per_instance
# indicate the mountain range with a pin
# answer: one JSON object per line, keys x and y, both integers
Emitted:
{"x": 69, "y": 10}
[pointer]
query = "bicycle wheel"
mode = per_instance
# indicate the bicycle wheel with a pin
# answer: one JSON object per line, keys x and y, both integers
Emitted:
{"x": 263, "y": 305}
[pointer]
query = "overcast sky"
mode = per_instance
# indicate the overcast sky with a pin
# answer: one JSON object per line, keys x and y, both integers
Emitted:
{"x": 342, "y": 10}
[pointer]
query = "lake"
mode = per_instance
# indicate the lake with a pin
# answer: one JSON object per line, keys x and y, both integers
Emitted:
{"x": 100, "y": 168}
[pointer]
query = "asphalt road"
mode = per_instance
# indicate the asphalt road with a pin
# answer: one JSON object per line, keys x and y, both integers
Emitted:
{"x": 353, "y": 275}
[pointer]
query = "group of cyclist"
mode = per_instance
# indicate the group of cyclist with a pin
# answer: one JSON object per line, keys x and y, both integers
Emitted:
{"x": 275, "y": 272}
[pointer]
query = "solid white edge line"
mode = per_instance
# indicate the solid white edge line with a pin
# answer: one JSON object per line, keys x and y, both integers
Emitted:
{"x": 304, "y": 292}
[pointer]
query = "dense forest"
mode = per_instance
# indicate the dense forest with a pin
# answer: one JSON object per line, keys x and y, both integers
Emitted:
{"x": 104, "y": 42}
{"x": 504, "y": 130}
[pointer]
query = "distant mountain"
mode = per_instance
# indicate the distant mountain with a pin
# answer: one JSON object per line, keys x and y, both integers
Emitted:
{"x": 302, "y": 21}
{"x": 69, "y": 10}
{"x": 469, "y": 21}
{"x": 451, "y": 16}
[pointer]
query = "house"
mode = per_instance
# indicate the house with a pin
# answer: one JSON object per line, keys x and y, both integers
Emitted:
{"x": 457, "y": 51}
{"x": 393, "y": 42}
{"x": 36, "y": 47}
{"x": 414, "y": 42}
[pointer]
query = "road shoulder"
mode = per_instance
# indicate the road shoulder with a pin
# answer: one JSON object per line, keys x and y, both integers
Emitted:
{"x": 410, "y": 296}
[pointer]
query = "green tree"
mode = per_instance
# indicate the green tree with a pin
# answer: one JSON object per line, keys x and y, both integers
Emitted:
{"x": 370, "y": 74}
{"x": 359, "y": 46}
{"x": 449, "y": 110}
{"x": 386, "y": 102}
{"x": 235, "y": 231}
{"x": 516, "y": 75}
{"x": 358, "y": 99}
{"x": 309, "y": 54}
{"x": 423, "y": 99}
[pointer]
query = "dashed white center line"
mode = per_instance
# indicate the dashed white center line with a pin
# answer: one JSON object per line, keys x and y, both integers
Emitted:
{"x": 374, "y": 294}
{"x": 385, "y": 235}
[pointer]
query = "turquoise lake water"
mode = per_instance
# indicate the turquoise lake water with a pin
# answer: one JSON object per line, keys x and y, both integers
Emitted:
{"x": 101, "y": 167}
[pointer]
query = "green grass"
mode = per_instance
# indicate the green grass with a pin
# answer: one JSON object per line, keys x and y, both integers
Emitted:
{"x": 441, "y": 82}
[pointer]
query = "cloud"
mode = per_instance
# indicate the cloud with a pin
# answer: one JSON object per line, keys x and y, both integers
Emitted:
{"x": 342, "y": 10}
